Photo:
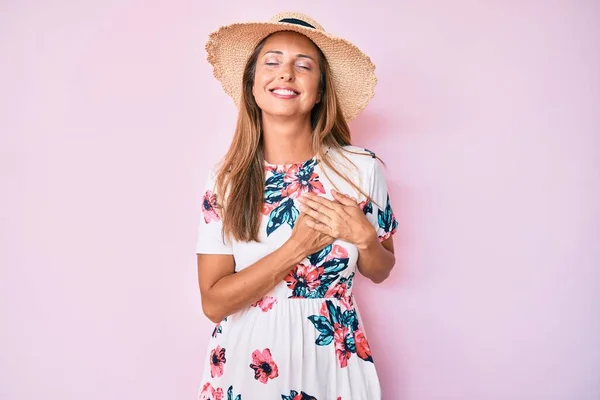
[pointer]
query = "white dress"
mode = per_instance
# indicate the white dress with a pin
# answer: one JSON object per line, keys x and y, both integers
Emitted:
{"x": 303, "y": 340}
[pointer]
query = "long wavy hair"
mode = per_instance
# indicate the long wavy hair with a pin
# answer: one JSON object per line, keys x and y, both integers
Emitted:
{"x": 241, "y": 175}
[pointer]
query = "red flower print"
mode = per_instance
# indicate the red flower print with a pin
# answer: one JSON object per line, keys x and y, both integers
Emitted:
{"x": 343, "y": 354}
{"x": 217, "y": 362}
{"x": 263, "y": 365}
{"x": 268, "y": 207}
{"x": 301, "y": 180}
{"x": 337, "y": 251}
{"x": 210, "y": 393}
{"x": 346, "y": 301}
{"x": 209, "y": 207}
{"x": 324, "y": 311}
{"x": 338, "y": 291}
{"x": 362, "y": 346}
{"x": 275, "y": 169}
{"x": 385, "y": 236}
{"x": 266, "y": 303}
{"x": 304, "y": 278}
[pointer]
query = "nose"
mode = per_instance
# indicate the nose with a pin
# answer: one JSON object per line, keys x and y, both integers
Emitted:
{"x": 286, "y": 74}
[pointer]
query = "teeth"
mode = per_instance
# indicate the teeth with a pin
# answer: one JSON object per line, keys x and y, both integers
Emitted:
{"x": 284, "y": 92}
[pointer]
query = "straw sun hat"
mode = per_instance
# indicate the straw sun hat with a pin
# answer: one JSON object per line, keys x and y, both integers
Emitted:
{"x": 230, "y": 46}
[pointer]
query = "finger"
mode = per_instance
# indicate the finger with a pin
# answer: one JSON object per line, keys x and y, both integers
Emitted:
{"x": 315, "y": 214}
{"x": 344, "y": 199}
{"x": 321, "y": 205}
{"x": 318, "y": 226}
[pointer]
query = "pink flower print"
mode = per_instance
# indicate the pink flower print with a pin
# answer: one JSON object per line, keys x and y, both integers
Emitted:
{"x": 209, "y": 207}
{"x": 263, "y": 365}
{"x": 362, "y": 346}
{"x": 337, "y": 251}
{"x": 301, "y": 180}
{"x": 217, "y": 362}
{"x": 266, "y": 303}
{"x": 343, "y": 353}
{"x": 210, "y": 393}
{"x": 304, "y": 278}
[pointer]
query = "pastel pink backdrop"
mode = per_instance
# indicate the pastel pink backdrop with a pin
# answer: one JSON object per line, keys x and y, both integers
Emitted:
{"x": 488, "y": 116}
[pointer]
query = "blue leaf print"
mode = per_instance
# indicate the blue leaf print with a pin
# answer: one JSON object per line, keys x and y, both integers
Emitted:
{"x": 368, "y": 208}
{"x": 322, "y": 324}
{"x": 334, "y": 313}
{"x": 286, "y": 183}
{"x": 285, "y": 213}
{"x": 386, "y": 219}
{"x": 335, "y": 265}
{"x": 349, "y": 318}
{"x": 273, "y": 187}
{"x": 314, "y": 280}
{"x": 219, "y": 328}
{"x": 319, "y": 256}
{"x": 324, "y": 339}
{"x": 230, "y": 394}
{"x": 348, "y": 281}
{"x": 293, "y": 396}
{"x": 350, "y": 344}
{"x": 353, "y": 340}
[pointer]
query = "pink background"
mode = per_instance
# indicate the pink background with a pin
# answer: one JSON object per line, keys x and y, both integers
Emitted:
{"x": 487, "y": 114}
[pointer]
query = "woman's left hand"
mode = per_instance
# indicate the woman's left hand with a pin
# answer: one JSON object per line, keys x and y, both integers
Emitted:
{"x": 342, "y": 219}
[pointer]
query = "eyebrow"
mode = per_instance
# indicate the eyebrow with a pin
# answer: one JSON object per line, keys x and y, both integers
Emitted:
{"x": 281, "y": 53}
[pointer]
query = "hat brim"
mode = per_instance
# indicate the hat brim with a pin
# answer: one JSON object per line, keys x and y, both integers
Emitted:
{"x": 353, "y": 72}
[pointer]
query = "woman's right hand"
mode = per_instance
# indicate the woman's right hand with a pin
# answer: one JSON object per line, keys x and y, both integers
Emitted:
{"x": 306, "y": 239}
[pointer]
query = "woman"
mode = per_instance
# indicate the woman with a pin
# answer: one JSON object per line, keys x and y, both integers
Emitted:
{"x": 301, "y": 210}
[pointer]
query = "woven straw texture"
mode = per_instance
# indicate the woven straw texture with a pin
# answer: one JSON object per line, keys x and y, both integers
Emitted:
{"x": 353, "y": 72}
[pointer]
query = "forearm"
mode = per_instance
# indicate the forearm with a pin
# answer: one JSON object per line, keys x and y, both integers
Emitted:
{"x": 374, "y": 260}
{"x": 236, "y": 291}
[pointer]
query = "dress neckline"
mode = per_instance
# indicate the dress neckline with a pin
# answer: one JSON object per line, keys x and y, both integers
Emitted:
{"x": 296, "y": 164}
{"x": 288, "y": 165}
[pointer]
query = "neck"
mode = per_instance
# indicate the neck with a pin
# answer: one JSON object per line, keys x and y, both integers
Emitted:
{"x": 287, "y": 141}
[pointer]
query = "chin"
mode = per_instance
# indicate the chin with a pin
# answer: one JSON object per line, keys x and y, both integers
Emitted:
{"x": 284, "y": 112}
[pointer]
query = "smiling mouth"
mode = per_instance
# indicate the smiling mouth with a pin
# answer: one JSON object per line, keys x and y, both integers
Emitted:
{"x": 285, "y": 92}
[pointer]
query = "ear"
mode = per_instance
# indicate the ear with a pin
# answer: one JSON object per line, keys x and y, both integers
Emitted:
{"x": 319, "y": 97}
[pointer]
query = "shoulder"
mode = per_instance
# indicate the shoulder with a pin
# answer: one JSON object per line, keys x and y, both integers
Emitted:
{"x": 210, "y": 177}
{"x": 360, "y": 157}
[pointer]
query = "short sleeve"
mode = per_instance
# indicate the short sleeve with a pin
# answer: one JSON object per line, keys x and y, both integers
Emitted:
{"x": 379, "y": 211}
{"x": 210, "y": 236}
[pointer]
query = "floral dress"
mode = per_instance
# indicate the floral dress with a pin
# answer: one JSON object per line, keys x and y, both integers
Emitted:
{"x": 304, "y": 340}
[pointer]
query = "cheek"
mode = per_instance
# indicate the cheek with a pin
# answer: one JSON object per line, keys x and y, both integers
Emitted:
{"x": 260, "y": 82}
{"x": 313, "y": 88}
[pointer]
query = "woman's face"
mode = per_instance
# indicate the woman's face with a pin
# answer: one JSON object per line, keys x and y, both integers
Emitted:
{"x": 287, "y": 77}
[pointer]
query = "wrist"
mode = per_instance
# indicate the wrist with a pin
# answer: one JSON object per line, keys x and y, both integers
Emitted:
{"x": 294, "y": 252}
{"x": 368, "y": 241}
